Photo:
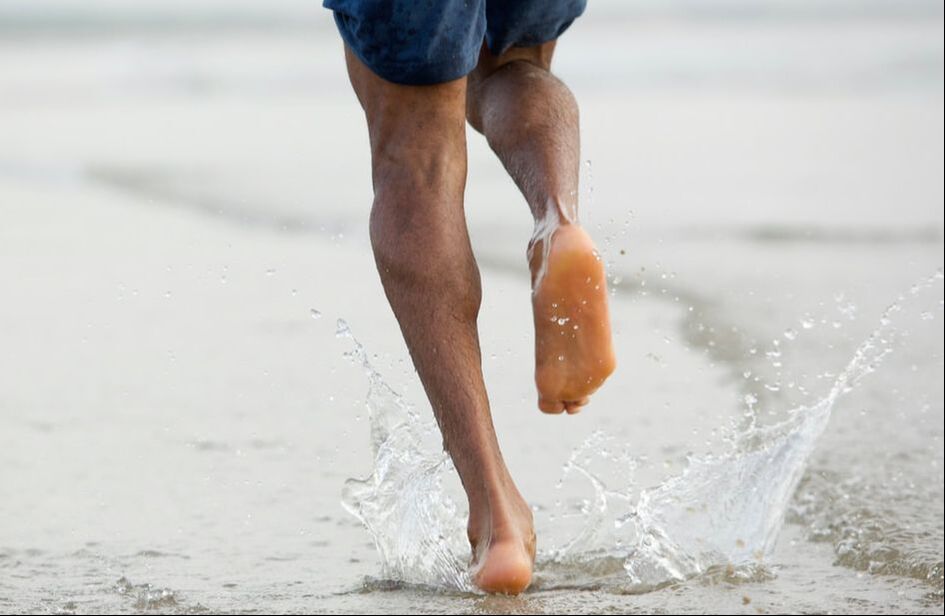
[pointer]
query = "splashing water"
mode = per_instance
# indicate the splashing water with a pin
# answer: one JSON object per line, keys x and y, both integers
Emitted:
{"x": 724, "y": 510}
{"x": 415, "y": 526}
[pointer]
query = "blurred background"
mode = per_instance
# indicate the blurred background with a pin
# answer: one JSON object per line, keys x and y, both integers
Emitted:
{"x": 184, "y": 191}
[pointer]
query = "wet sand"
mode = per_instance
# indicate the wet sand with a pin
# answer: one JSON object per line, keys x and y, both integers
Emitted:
{"x": 177, "y": 423}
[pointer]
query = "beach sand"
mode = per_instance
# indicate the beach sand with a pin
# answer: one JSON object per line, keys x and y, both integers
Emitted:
{"x": 185, "y": 204}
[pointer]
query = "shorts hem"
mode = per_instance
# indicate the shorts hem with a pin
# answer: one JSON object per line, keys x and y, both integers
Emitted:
{"x": 409, "y": 74}
{"x": 557, "y": 27}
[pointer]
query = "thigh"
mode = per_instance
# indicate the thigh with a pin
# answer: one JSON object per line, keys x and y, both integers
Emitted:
{"x": 414, "y": 130}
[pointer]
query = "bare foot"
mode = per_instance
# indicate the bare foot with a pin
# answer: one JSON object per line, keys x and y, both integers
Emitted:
{"x": 503, "y": 546}
{"x": 574, "y": 354}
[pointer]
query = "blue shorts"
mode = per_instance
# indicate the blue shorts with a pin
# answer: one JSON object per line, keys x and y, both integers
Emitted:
{"x": 421, "y": 42}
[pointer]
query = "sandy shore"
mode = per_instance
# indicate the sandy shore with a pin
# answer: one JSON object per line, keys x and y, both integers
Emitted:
{"x": 176, "y": 205}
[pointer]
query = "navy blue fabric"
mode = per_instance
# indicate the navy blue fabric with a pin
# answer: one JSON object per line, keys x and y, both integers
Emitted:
{"x": 423, "y": 42}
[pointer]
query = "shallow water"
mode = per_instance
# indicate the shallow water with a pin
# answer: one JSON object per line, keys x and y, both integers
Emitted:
{"x": 709, "y": 537}
{"x": 722, "y": 513}
{"x": 165, "y": 476}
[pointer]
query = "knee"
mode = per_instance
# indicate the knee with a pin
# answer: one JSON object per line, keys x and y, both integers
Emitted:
{"x": 417, "y": 249}
{"x": 413, "y": 207}
{"x": 515, "y": 58}
{"x": 393, "y": 231}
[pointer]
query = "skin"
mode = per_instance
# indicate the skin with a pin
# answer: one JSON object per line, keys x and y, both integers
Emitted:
{"x": 425, "y": 261}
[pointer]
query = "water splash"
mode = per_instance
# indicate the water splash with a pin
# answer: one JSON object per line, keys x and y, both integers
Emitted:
{"x": 146, "y": 596}
{"x": 722, "y": 513}
{"x": 415, "y": 526}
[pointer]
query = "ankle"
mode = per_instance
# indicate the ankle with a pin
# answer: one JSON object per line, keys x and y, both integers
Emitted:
{"x": 556, "y": 211}
{"x": 553, "y": 215}
{"x": 503, "y": 515}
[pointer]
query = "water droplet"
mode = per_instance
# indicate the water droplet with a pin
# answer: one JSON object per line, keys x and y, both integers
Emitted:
{"x": 560, "y": 357}
{"x": 316, "y": 314}
{"x": 790, "y": 334}
{"x": 563, "y": 320}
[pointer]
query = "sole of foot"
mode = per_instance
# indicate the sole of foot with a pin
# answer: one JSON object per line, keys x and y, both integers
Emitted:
{"x": 574, "y": 352}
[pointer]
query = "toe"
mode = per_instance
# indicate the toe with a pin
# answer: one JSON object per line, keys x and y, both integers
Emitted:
{"x": 575, "y": 406}
{"x": 550, "y": 406}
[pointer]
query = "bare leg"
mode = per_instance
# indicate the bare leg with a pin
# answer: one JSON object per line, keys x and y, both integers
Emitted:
{"x": 423, "y": 255}
{"x": 530, "y": 119}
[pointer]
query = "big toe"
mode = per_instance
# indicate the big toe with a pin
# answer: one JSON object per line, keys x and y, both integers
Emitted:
{"x": 553, "y": 407}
